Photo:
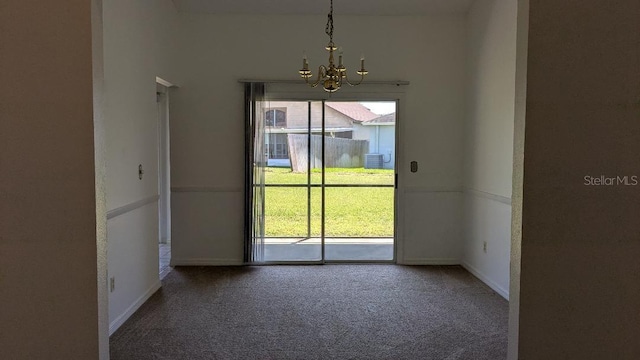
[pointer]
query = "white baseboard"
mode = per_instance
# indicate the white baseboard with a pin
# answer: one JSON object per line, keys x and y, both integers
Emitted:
{"x": 485, "y": 279}
{"x": 206, "y": 262}
{"x": 436, "y": 261}
{"x": 115, "y": 324}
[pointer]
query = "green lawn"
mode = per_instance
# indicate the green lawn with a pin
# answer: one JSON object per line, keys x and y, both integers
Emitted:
{"x": 274, "y": 175}
{"x": 350, "y": 212}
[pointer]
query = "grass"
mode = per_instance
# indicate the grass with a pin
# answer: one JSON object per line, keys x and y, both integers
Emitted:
{"x": 274, "y": 175}
{"x": 350, "y": 212}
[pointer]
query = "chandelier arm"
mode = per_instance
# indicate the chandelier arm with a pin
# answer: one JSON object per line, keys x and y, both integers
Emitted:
{"x": 322, "y": 71}
{"x": 346, "y": 79}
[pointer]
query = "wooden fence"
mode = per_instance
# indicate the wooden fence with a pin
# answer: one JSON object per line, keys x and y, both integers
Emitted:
{"x": 341, "y": 153}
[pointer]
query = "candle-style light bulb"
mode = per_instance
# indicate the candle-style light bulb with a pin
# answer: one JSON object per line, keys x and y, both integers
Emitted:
{"x": 362, "y": 61}
{"x": 305, "y": 63}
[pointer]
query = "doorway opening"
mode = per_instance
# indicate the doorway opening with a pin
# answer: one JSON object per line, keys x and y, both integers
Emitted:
{"x": 329, "y": 181}
{"x": 164, "y": 181}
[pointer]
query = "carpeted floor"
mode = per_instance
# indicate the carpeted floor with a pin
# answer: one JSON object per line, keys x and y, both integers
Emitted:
{"x": 317, "y": 312}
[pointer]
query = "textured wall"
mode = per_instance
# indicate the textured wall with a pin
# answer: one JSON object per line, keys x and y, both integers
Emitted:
{"x": 48, "y": 254}
{"x": 580, "y": 275}
{"x": 101, "y": 169}
{"x": 518, "y": 175}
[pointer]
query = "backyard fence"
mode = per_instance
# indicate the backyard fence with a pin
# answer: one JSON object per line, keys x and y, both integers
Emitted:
{"x": 339, "y": 153}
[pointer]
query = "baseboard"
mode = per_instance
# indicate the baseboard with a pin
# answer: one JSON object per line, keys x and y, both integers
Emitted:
{"x": 206, "y": 262}
{"x": 485, "y": 279}
{"x": 115, "y": 324}
{"x": 444, "y": 261}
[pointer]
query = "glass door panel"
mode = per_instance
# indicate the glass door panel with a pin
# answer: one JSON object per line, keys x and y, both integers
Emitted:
{"x": 359, "y": 181}
{"x": 292, "y": 205}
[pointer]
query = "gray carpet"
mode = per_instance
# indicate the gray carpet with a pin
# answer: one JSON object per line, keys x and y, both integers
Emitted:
{"x": 317, "y": 312}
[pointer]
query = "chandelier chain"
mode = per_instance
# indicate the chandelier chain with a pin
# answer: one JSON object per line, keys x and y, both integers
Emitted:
{"x": 329, "y": 29}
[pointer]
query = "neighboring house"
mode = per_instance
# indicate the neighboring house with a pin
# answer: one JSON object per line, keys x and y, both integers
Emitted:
{"x": 342, "y": 120}
{"x": 381, "y": 133}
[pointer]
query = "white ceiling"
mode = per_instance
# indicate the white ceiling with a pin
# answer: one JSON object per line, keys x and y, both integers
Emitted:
{"x": 317, "y": 7}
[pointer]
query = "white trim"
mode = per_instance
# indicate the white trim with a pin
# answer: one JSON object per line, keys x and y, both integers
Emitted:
{"x": 132, "y": 206}
{"x": 206, "y": 189}
{"x": 206, "y": 262}
{"x": 485, "y": 279}
{"x": 487, "y": 195}
{"x": 164, "y": 82}
{"x": 115, "y": 324}
{"x": 430, "y": 261}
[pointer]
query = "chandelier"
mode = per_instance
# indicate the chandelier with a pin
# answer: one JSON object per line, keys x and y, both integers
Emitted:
{"x": 333, "y": 76}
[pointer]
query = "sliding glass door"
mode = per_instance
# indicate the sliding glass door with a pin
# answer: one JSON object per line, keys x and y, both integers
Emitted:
{"x": 329, "y": 182}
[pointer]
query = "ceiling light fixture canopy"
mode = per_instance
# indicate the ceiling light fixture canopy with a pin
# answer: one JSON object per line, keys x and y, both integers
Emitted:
{"x": 331, "y": 77}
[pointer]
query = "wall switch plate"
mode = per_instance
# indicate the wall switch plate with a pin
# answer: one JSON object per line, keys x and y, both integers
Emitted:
{"x": 414, "y": 166}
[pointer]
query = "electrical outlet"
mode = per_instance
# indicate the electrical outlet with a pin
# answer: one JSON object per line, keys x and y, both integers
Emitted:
{"x": 484, "y": 247}
{"x": 112, "y": 284}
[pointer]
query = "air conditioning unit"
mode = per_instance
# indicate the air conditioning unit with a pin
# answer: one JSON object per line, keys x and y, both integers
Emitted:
{"x": 373, "y": 161}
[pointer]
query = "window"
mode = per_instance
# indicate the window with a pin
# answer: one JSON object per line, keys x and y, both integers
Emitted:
{"x": 277, "y": 147}
{"x": 276, "y": 118}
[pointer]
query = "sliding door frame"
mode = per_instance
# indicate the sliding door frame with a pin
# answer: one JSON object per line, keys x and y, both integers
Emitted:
{"x": 379, "y": 92}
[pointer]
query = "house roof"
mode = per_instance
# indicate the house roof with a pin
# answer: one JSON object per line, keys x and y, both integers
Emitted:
{"x": 388, "y": 119}
{"x": 354, "y": 110}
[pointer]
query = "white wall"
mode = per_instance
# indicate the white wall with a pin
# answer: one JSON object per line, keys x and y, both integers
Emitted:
{"x": 489, "y": 141}
{"x": 382, "y": 140}
{"x": 387, "y": 145}
{"x": 207, "y": 129}
{"x": 138, "y": 44}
